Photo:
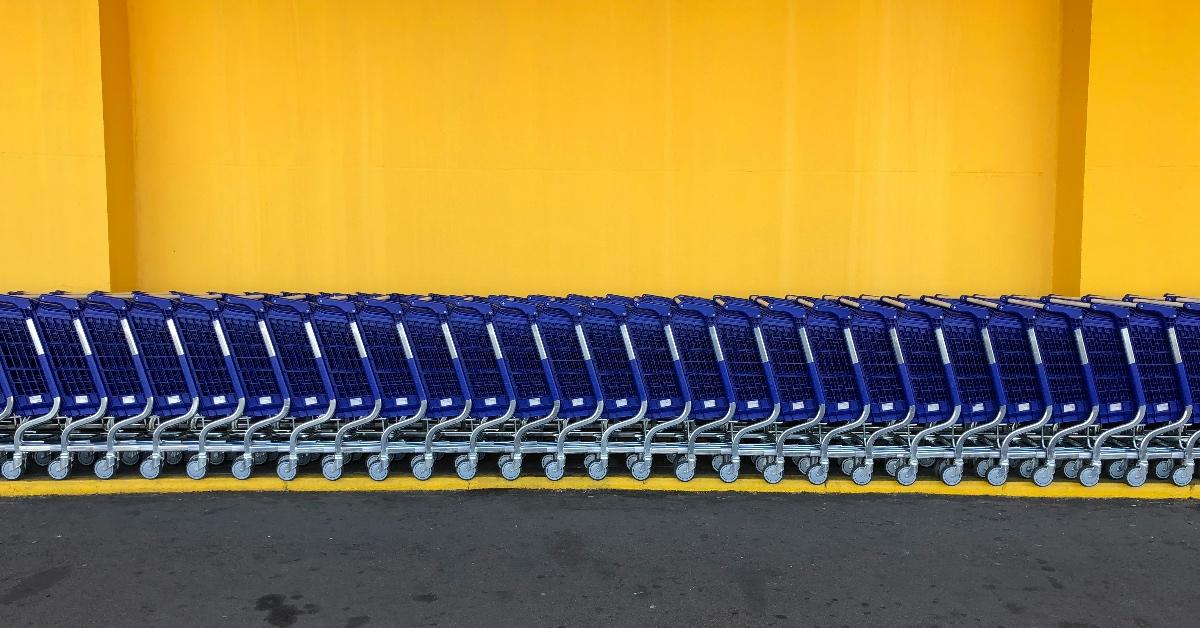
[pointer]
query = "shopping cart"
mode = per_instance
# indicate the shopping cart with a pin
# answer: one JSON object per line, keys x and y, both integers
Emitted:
{"x": 33, "y": 396}
{"x": 669, "y": 400}
{"x": 693, "y": 323}
{"x": 576, "y": 377}
{"x": 1187, "y": 329}
{"x": 618, "y": 372}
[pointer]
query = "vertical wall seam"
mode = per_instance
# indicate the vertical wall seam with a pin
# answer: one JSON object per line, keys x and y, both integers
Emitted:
{"x": 1075, "y": 38}
{"x": 116, "y": 90}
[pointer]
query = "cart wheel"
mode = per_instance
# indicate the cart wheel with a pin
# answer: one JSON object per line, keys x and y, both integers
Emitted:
{"x": 1025, "y": 469}
{"x": 684, "y": 470}
{"x": 421, "y": 470}
{"x": 598, "y": 469}
{"x": 1089, "y": 475}
{"x": 85, "y": 458}
{"x": 1071, "y": 468}
{"x": 1118, "y": 468}
{"x": 1043, "y": 475}
{"x": 1136, "y": 476}
{"x": 554, "y": 470}
{"x": 940, "y": 467}
{"x": 997, "y": 475}
{"x": 286, "y": 468}
{"x": 640, "y": 470}
{"x": 509, "y": 469}
{"x": 672, "y": 458}
{"x": 952, "y": 474}
{"x": 818, "y": 473}
{"x": 130, "y": 458}
{"x": 631, "y": 460}
{"x": 104, "y": 467}
{"x": 907, "y": 475}
{"x": 242, "y": 468}
{"x": 862, "y": 474}
{"x": 848, "y": 465}
{"x": 547, "y": 459}
{"x": 761, "y": 462}
{"x": 59, "y": 469}
{"x": 464, "y": 468}
{"x": 892, "y": 467}
{"x": 719, "y": 460}
{"x": 216, "y": 457}
{"x": 196, "y": 469}
{"x": 1182, "y": 475}
{"x": 773, "y": 473}
{"x": 42, "y": 458}
{"x": 330, "y": 468}
{"x": 173, "y": 457}
{"x": 258, "y": 457}
{"x": 805, "y": 463}
{"x": 377, "y": 468}
{"x": 925, "y": 463}
{"x": 1163, "y": 468}
{"x": 11, "y": 470}
{"x": 151, "y": 467}
{"x": 982, "y": 466}
{"x": 728, "y": 472}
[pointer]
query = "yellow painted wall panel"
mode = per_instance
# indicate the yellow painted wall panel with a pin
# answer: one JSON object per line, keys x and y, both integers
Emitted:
{"x": 1142, "y": 173}
{"x": 526, "y": 146}
{"x": 52, "y": 190}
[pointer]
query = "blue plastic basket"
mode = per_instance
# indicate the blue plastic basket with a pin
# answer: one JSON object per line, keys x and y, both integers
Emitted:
{"x": 979, "y": 384}
{"x": 615, "y": 369}
{"x": 934, "y": 391}
{"x": 1069, "y": 388}
{"x": 1113, "y": 376}
{"x": 836, "y": 370}
{"x": 530, "y": 375}
{"x": 395, "y": 368}
{"x": 571, "y": 372}
{"x": 484, "y": 370}
{"x": 70, "y": 355}
{"x": 662, "y": 375}
{"x": 162, "y": 357}
{"x": 882, "y": 374}
{"x": 24, "y": 360}
{"x": 782, "y": 324}
{"x": 213, "y": 372}
{"x": 121, "y": 372}
{"x": 307, "y": 381}
{"x": 706, "y": 384}
{"x": 1187, "y": 331}
{"x": 345, "y": 356}
{"x": 1156, "y": 367}
{"x": 1023, "y": 389}
{"x": 254, "y": 356}
{"x": 443, "y": 378}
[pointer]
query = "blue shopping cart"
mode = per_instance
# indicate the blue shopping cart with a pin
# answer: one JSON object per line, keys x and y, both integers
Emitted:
{"x": 693, "y": 323}
{"x": 576, "y": 377}
{"x": 1187, "y": 330}
{"x": 33, "y": 392}
{"x": 669, "y": 400}
{"x": 621, "y": 389}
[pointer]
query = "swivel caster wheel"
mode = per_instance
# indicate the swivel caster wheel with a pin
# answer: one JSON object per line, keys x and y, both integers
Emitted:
{"x": 1071, "y": 468}
{"x": 861, "y": 475}
{"x": 1089, "y": 475}
{"x": 925, "y": 463}
{"x": 547, "y": 459}
{"x": 1043, "y": 475}
{"x": 640, "y": 470}
{"x": 685, "y": 470}
{"x": 818, "y": 474}
{"x": 11, "y": 469}
{"x": 86, "y": 458}
{"x": 242, "y": 467}
{"x": 589, "y": 459}
{"x": 1163, "y": 469}
{"x": 377, "y": 468}
{"x": 940, "y": 466}
{"x": 151, "y": 467}
{"x": 907, "y": 475}
{"x": 130, "y": 458}
{"x": 1118, "y": 468}
{"x": 952, "y": 474}
{"x": 196, "y": 468}
{"x": 848, "y": 465}
{"x": 173, "y": 457}
{"x": 598, "y": 469}
{"x": 728, "y": 472}
{"x": 806, "y": 463}
{"x": 103, "y": 468}
{"x": 42, "y": 458}
{"x": 631, "y": 460}
{"x": 672, "y": 458}
{"x": 465, "y": 468}
{"x": 997, "y": 475}
{"x": 421, "y": 469}
{"x": 509, "y": 469}
{"x": 1136, "y": 475}
{"x": 554, "y": 470}
{"x": 982, "y": 466}
{"x": 1025, "y": 469}
{"x": 892, "y": 466}
{"x": 718, "y": 461}
{"x": 59, "y": 469}
{"x": 1182, "y": 475}
{"x": 216, "y": 457}
{"x": 773, "y": 473}
{"x": 330, "y": 468}
{"x": 286, "y": 468}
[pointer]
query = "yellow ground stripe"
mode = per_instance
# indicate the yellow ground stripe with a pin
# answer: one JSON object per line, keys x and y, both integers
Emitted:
{"x": 131, "y": 484}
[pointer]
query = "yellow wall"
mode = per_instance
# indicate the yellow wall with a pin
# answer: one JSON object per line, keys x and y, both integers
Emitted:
{"x": 52, "y": 192}
{"x": 1142, "y": 186}
{"x": 592, "y": 146}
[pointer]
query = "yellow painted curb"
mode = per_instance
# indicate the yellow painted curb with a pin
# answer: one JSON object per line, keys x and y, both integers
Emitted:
{"x": 1061, "y": 489}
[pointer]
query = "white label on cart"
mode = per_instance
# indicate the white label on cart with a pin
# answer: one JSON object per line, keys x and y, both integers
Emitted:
{"x": 83, "y": 341}
{"x": 576, "y": 402}
{"x": 402, "y": 401}
{"x": 753, "y": 403}
{"x": 797, "y": 405}
{"x": 536, "y": 401}
{"x": 220, "y": 337}
{"x": 173, "y": 399}
{"x": 35, "y": 399}
{"x": 445, "y": 402}
{"x": 1068, "y": 407}
{"x": 933, "y": 407}
{"x": 1162, "y": 407}
{"x": 662, "y": 403}
{"x": 1022, "y": 407}
{"x": 621, "y": 403}
{"x": 266, "y": 336}
{"x": 309, "y": 401}
{"x": 355, "y": 402}
{"x": 262, "y": 401}
{"x": 885, "y": 407}
{"x": 129, "y": 336}
{"x": 977, "y": 407}
{"x": 81, "y": 398}
{"x": 128, "y": 399}
{"x": 1113, "y": 407}
{"x": 174, "y": 337}
{"x": 708, "y": 403}
{"x": 490, "y": 401}
{"x": 219, "y": 399}
{"x": 37, "y": 341}
{"x": 843, "y": 405}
